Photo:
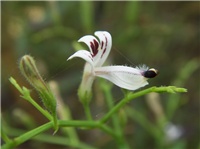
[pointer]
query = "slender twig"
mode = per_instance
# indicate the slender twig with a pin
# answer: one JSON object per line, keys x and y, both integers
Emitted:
{"x": 52, "y": 139}
{"x": 87, "y": 111}
{"x": 115, "y": 119}
{"x": 39, "y": 108}
{"x": 26, "y": 95}
{"x": 61, "y": 123}
{"x": 83, "y": 124}
{"x": 131, "y": 96}
{"x": 26, "y": 136}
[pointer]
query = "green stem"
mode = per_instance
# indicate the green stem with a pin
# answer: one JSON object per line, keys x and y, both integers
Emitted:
{"x": 131, "y": 96}
{"x": 48, "y": 138}
{"x": 65, "y": 114}
{"x": 77, "y": 123}
{"x": 87, "y": 124}
{"x": 61, "y": 123}
{"x": 39, "y": 108}
{"x": 115, "y": 120}
{"x": 26, "y": 95}
{"x": 24, "y": 137}
{"x": 4, "y": 136}
{"x": 87, "y": 111}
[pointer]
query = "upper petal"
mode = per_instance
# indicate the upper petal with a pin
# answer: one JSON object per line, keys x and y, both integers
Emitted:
{"x": 122, "y": 76}
{"x": 92, "y": 43}
{"x": 84, "y": 55}
{"x": 105, "y": 43}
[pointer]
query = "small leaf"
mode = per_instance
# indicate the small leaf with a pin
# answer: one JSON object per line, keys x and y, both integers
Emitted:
{"x": 14, "y": 82}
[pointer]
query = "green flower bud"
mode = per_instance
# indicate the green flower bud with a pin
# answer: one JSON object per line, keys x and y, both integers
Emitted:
{"x": 29, "y": 70}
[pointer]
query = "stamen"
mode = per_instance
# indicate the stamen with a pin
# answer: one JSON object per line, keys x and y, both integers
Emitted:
{"x": 151, "y": 73}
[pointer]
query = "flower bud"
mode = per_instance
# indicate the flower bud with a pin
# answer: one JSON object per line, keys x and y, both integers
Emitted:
{"x": 29, "y": 70}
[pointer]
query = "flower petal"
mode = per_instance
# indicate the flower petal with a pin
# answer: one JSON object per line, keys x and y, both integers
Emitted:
{"x": 85, "y": 88}
{"x": 91, "y": 42}
{"x": 122, "y": 76}
{"x": 84, "y": 55}
{"x": 104, "y": 46}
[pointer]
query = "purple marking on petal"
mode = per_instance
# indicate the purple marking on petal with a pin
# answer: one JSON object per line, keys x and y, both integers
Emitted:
{"x": 94, "y": 46}
{"x": 103, "y": 52}
{"x": 105, "y": 47}
{"x": 102, "y": 43}
{"x": 106, "y": 41}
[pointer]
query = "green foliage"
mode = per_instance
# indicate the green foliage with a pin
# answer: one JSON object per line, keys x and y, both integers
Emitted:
{"x": 160, "y": 34}
{"x": 28, "y": 68}
{"x": 101, "y": 124}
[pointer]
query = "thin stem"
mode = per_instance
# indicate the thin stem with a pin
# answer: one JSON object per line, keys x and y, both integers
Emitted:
{"x": 65, "y": 114}
{"x": 87, "y": 111}
{"x": 115, "y": 119}
{"x": 39, "y": 108}
{"x": 131, "y": 96}
{"x": 108, "y": 130}
{"x": 61, "y": 123}
{"x": 26, "y": 95}
{"x": 5, "y": 137}
{"x": 48, "y": 138}
{"x": 114, "y": 110}
{"x": 24, "y": 137}
{"x": 77, "y": 123}
{"x": 87, "y": 124}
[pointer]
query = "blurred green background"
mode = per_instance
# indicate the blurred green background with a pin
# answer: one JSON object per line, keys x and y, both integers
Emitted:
{"x": 163, "y": 35}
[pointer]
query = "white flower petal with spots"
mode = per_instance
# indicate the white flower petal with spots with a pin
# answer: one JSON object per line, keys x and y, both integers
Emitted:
{"x": 125, "y": 77}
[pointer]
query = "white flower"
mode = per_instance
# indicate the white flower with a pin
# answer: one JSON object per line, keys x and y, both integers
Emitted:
{"x": 125, "y": 77}
{"x": 173, "y": 132}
